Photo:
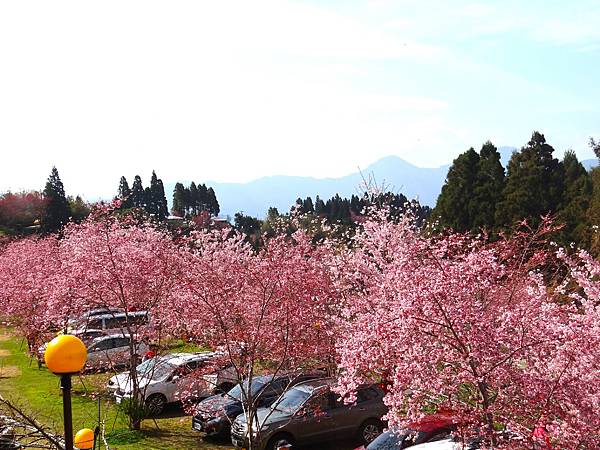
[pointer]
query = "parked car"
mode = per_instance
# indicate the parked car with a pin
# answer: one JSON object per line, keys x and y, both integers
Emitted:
{"x": 112, "y": 351}
{"x": 310, "y": 413}
{"x": 432, "y": 428}
{"x": 83, "y": 318}
{"x": 115, "y": 322}
{"x": 86, "y": 336}
{"x": 215, "y": 414}
{"x": 166, "y": 379}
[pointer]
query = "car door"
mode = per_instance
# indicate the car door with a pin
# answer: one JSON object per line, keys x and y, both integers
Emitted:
{"x": 98, "y": 355}
{"x": 315, "y": 423}
{"x": 120, "y": 353}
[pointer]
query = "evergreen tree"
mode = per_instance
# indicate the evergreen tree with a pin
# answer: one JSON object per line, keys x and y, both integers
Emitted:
{"x": 534, "y": 184}
{"x": 57, "y": 211}
{"x": 179, "y": 201}
{"x": 156, "y": 202}
{"x": 593, "y": 213}
{"x": 308, "y": 205}
{"x": 147, "y": 199}
{"x": 161, "y": 199}
{"x": 487, "y": 189}
{"x": 193, "y": 199}
{"x": 202, "y": 200}
{"x": 319, "y": 206}
{"x": 137, "y": 193}
{"x": 79, "y": 209}
{"x": 575, "y": 202}
{"x": 213, "y": 204}
{"x": 124, "y": 194}
{"x": 453, "y": 208}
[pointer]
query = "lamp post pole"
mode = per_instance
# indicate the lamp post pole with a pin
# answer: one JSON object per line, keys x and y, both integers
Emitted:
{"x": 66, "y": 355}
{"x": 65, "y": 386}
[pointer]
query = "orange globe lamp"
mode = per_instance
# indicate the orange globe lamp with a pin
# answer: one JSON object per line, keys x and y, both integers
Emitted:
{"x": 66, "y": 355}
{"x": 84, "y": 439}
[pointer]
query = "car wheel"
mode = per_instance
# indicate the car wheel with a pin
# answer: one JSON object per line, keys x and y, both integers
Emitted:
{"x": 281, "y": 440}
{"x": 155, "y": 404}
{"x": 369, "y": 430}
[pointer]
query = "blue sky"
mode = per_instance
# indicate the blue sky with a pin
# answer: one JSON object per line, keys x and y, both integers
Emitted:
{"x": 231, "y": 91}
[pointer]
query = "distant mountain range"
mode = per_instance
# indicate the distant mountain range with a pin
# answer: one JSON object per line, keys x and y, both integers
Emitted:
{"x": 397, "y": 175}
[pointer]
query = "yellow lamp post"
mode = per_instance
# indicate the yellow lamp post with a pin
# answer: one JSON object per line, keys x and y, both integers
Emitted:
{"x": 66, "y": 355}
{"x": 84, "y": 439}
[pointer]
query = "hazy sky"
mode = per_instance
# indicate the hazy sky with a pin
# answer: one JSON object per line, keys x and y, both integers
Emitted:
{"x": 231, "y": 91}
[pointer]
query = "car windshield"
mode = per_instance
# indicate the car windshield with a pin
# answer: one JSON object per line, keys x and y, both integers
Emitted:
{"x": 396, "y": 439}
{"x": 292, "y": 400}
{"x": 155, "y": 370}
{"x": 257, "y": 384}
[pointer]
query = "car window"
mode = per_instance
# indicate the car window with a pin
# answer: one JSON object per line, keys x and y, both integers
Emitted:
{"x": 103, "y": 345}
{"x": 366, "y": 394}
{"x": 94, "y": 323}
{"x": 276, "y": 387}
{"x": 440, "y": 436}
{"x": 114, "y": 322}
{"x": 121, "y": 342}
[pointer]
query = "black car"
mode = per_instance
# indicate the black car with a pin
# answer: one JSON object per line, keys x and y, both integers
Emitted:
{"x": 215, "y": 414}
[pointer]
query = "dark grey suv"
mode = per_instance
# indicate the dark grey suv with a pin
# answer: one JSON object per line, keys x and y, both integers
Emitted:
{"x": 310, "y": 412}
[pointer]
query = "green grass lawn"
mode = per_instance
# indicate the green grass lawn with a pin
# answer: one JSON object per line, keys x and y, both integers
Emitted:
{"x": 37, "y": 390}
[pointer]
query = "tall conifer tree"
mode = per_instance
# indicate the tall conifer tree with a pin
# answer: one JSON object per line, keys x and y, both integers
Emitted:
{"x": 137, "y": 193}
{"x": 124, "y": 193}
{"x": 575, "y": 202}
{"x": 57, "y": 211}
{"x": 453, "y": 208}
{"x": 487, "y": 188}
{"x": 534, "y": 184}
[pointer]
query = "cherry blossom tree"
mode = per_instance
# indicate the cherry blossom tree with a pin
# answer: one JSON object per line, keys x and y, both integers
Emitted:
{"x": 111, "y": 262}
{"x": 267, "y": 310}
{"x": 454, "y": 322}
{"x": 27, "y": 271}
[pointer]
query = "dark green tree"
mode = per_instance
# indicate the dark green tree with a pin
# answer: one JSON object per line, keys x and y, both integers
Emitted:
{"x": 575, "y": 203}
{"x": 57, "y": 211}
{"x": 308, "y": 206}
{"x": 156, "y": 202}
{"x": 487, "y": 189}
{"x": 593, "y": 213}
{"x": 137, "y": 193}
{"x": 453, "y": 209}
{"x": 193, "y": 199}
{"x": 213, "y": 204}
{"x": 319, "y": 206}
{"x": 124, "y": 194}
{"x": 534, "y": 184}
{"x": 79, "y": 209}
{"x": 179, "y": 200}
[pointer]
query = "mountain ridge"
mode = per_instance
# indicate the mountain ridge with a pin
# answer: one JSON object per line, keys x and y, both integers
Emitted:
{"x": 281, "y": 191}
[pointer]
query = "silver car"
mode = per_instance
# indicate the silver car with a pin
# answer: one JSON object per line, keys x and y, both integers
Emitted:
{"x": 107, "y": 352}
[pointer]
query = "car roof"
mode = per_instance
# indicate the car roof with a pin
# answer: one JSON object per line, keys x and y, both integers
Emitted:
{"x": 313, "y": 385}
{"x": 119, "y": 314}
{"x": 179, "y": 359}
{"x": 109, "y": 336}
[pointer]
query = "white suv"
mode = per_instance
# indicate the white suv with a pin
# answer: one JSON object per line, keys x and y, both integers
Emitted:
{"x": 166, "y": 379}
